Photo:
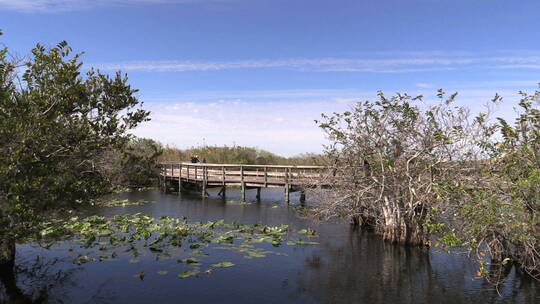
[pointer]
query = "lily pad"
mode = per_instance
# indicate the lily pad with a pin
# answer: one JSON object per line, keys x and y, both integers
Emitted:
{"x": 191, "y": 273}
{"x": 223, "y": 265}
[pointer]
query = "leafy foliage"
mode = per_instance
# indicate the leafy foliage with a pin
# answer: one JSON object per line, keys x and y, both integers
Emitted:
{"x": 496, "y": 206}
{"x": 55, "y": 122}
{"x": 135, "y": 165}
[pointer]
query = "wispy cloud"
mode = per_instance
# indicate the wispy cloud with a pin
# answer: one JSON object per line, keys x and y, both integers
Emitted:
{"x": 310, "y": 95}
{"x": 33, "y": 6}
{"x": 385, "y": 65}
{"x": 521, "y": 66}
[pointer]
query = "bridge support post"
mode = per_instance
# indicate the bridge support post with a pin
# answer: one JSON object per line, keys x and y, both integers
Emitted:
{"x": 223, "y": 192}
{"x": 242, "y": 183}
{"x": 302, "y": 197}
{"x": 160, "y": 179}
{"x": 287, "y": 187}
{"x": 165, "y": 178}
{"x": 243, "y": 192}
{"x": 204, "y": 181}
{"x": 258, "y": 196}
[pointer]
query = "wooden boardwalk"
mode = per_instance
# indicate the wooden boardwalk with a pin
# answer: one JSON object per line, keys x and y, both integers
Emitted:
{"x": 201, "y": 176}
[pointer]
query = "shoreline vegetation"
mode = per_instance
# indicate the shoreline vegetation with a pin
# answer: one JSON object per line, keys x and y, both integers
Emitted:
{"x": 416, "y": 175}
{"x": 425, "y": 175}
{"x": 239, "y": 155}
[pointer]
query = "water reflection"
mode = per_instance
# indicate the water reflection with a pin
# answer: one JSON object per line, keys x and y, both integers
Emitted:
{"x": 365, "y": 269}
{"x": 348, "y": 266}
{"x": 36, "y": 280}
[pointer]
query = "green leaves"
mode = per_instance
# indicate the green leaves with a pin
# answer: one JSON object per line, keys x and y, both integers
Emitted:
{"x": 223, "y": 265}
{"x": 190, "y": 273}
{"x": 308, "y": 232}
{"x": 190, "y": 261}
{"x": 139, "y": 235}
{"x": 55, "y": 127}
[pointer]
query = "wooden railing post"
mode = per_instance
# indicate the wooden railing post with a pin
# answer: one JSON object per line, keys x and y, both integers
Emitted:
{"x": 243, "y": 185}
{"x": 196, "y": 175}
{"x": 265, "y": 176}
{"x": 180, "y": 179}
{"x": 223, "y": 176}
{"x": 287, "y": 188}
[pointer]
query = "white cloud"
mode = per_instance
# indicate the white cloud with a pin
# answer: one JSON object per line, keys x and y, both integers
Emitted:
{"x": 284, "y": 128}
{"x": 284, "y": 122}
{"x": 386, "y": 65}
{"x": 424, "y": 85}
{"x": 73, "y": 5}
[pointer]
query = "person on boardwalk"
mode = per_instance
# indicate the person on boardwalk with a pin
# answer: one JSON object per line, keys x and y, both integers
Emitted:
{"x": 195, "y": 159}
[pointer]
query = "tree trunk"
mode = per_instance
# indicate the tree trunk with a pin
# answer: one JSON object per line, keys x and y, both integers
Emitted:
{"x": 405, "y": 233}
{"x": 7, "y": 254}
{"x": 8, "y": 277}
{"x": 397, "y": 227}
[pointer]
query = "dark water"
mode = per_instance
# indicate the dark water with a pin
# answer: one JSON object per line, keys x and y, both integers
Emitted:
{"x": 346, "y": 267}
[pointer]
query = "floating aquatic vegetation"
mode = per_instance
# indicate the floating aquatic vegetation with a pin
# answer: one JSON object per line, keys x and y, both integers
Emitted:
{"x": 301, "y": 210}
{"x": 309, "y": 232}
{"x": 223, "y": 265}
{"x": 301, "y": 242}
{"x": 190, "y": 261}
{"x": 83, "y": 259}
{"x": 118, "y": 203}
{"x": 191, "y": 273}
{"x": 137, "y": 235}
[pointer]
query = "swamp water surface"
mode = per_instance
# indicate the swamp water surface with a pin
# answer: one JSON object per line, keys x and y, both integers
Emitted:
{"x": 339, "y": 265}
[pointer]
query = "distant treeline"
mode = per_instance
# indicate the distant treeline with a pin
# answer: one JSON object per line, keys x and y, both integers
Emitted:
{"x": 238, "y": 155}
{"x": 137, "y": 163}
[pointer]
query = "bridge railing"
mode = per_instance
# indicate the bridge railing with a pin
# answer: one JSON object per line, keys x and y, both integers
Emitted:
{"x": 264, "y": 175}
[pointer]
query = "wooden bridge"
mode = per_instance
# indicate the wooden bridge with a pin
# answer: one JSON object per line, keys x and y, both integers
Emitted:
{"x": 201, "y": 176}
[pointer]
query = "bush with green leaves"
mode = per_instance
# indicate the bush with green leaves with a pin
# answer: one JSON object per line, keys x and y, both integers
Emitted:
{"x": 55, "y": 121}
{"x": 495, "y": 207}
{"x": 139, "y": 163}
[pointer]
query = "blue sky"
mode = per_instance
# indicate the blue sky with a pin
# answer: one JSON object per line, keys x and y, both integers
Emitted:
{"x": 258, "y": 72}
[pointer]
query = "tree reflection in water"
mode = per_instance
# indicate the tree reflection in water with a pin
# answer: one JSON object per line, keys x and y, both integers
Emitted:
{"x": 369, "y": 270}
{"x": 38, "y": 280}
